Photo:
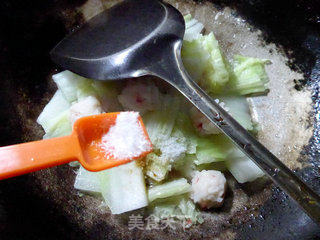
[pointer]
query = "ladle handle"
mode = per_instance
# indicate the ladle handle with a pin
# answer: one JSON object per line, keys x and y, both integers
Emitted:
{"x": 29, "y": 157}
{"x": 174, "y": 72}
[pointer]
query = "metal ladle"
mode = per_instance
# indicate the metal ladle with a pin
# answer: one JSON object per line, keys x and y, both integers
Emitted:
{"x": 144, "y": 37}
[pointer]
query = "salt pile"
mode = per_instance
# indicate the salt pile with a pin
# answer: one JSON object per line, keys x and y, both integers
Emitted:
{"x": 126, "y": 139}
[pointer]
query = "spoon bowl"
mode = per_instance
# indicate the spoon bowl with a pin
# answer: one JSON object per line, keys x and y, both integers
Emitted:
{"x": 108, "y": 47}
{"x": 89, "y": 131}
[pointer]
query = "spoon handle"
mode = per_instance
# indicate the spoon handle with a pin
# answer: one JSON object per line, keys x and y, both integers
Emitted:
{"x": 29, "y": 157}
{"x": 174, "y": 73}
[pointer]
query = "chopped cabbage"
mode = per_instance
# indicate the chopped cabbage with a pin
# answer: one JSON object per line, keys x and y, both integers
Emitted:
{"x": 242, "y": 167}
{"x": 193, "y": 28}
{"x": 238, "y": 108}
{"x": 172, "y": 138}
{"x": 181, "y": 208}
{"x": 123, "y": 188}
{"x": 157, "y": 167}
{"x": 108, "y": 93}
{"x": 205, "y": 63}
{"x": 59, "y": 126}
{"x": 185, "y": 133}
{"x": 249, "y": 75}
{"x": 171, "y": 150}
{"x": 212, "y": 149}
{"x": 169, "y": 189}
{"x": 186, "y": 166}
{"x": 85, "y": 107}
{"x": 159, "y": 125}
{"x": 87, "y": 181}
{"x": 106, "y": 88}
{"x": 56, "y": 105}
{"x": 73, "y": 86}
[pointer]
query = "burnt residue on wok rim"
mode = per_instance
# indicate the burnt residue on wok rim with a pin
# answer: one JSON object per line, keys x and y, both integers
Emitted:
{"x": 30, "y": 29}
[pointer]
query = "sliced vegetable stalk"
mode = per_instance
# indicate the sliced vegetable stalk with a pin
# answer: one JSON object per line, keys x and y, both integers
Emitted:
{"x": 238, "y": 108}
{"x": 179, "y": 207}
{"x": 172, "y": 136}
{"x": 205, "y": 63}
{"x": 157, "y": 167}
{"x": 87, "y": 181}
{"x": 185, "y": 132}
{"x": 249, "y": 75}
{"x": 59, "y": 126}
{"x": 169, "y": 189}
{"x": 242, "y": 167}
{"x": 123, "y": 188}
{"x": 193, "y": 28}
{"x": 87, "y": 106}
{"x": 56, "y": 105}
{"x": 171, "y": 144}
{"x": 212, "y": 149}
{"x": 107, "y": 93}
{"x": 73, "y": 86}
{"x": 186, "y": 166}
{"x": 159, "y": 124}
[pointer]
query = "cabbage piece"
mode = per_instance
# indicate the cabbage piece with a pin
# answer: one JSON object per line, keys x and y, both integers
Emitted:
{"x": 206, "y": 63}
{"x": 85, "y": 107}
{"x": 169, "y": 189}
{"x": 73, "y": 86}
{"x": 180, "y": 207}
{"x": 242, "y": 167}
{"x": 238, "y": 108}
{"x": 56, "y": 105}
{"x": 159, "y": 124}
{"x": 170, "y": 151}
{"x": 59, "y": 126}
{"x": 212, "y": 149}
{"x": 195, "y": 58}
{"x": 185, "y": 132}
{"x": 186, "y": 166}
{"x": 86, "y": 89}
{"x": 157, "y": 167}
{"x": 106, "y": 88}
{"x": 123, "y": 188}
{"x": 193, "y": 28}
{"x": 249, "y": 75}
{"x": 87, "y": 181}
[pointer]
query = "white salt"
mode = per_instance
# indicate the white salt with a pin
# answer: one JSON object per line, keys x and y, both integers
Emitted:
{"x": 126, "y": 139}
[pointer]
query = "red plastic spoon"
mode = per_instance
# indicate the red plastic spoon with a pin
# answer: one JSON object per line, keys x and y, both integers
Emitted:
{"x": 81, "y": 145}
